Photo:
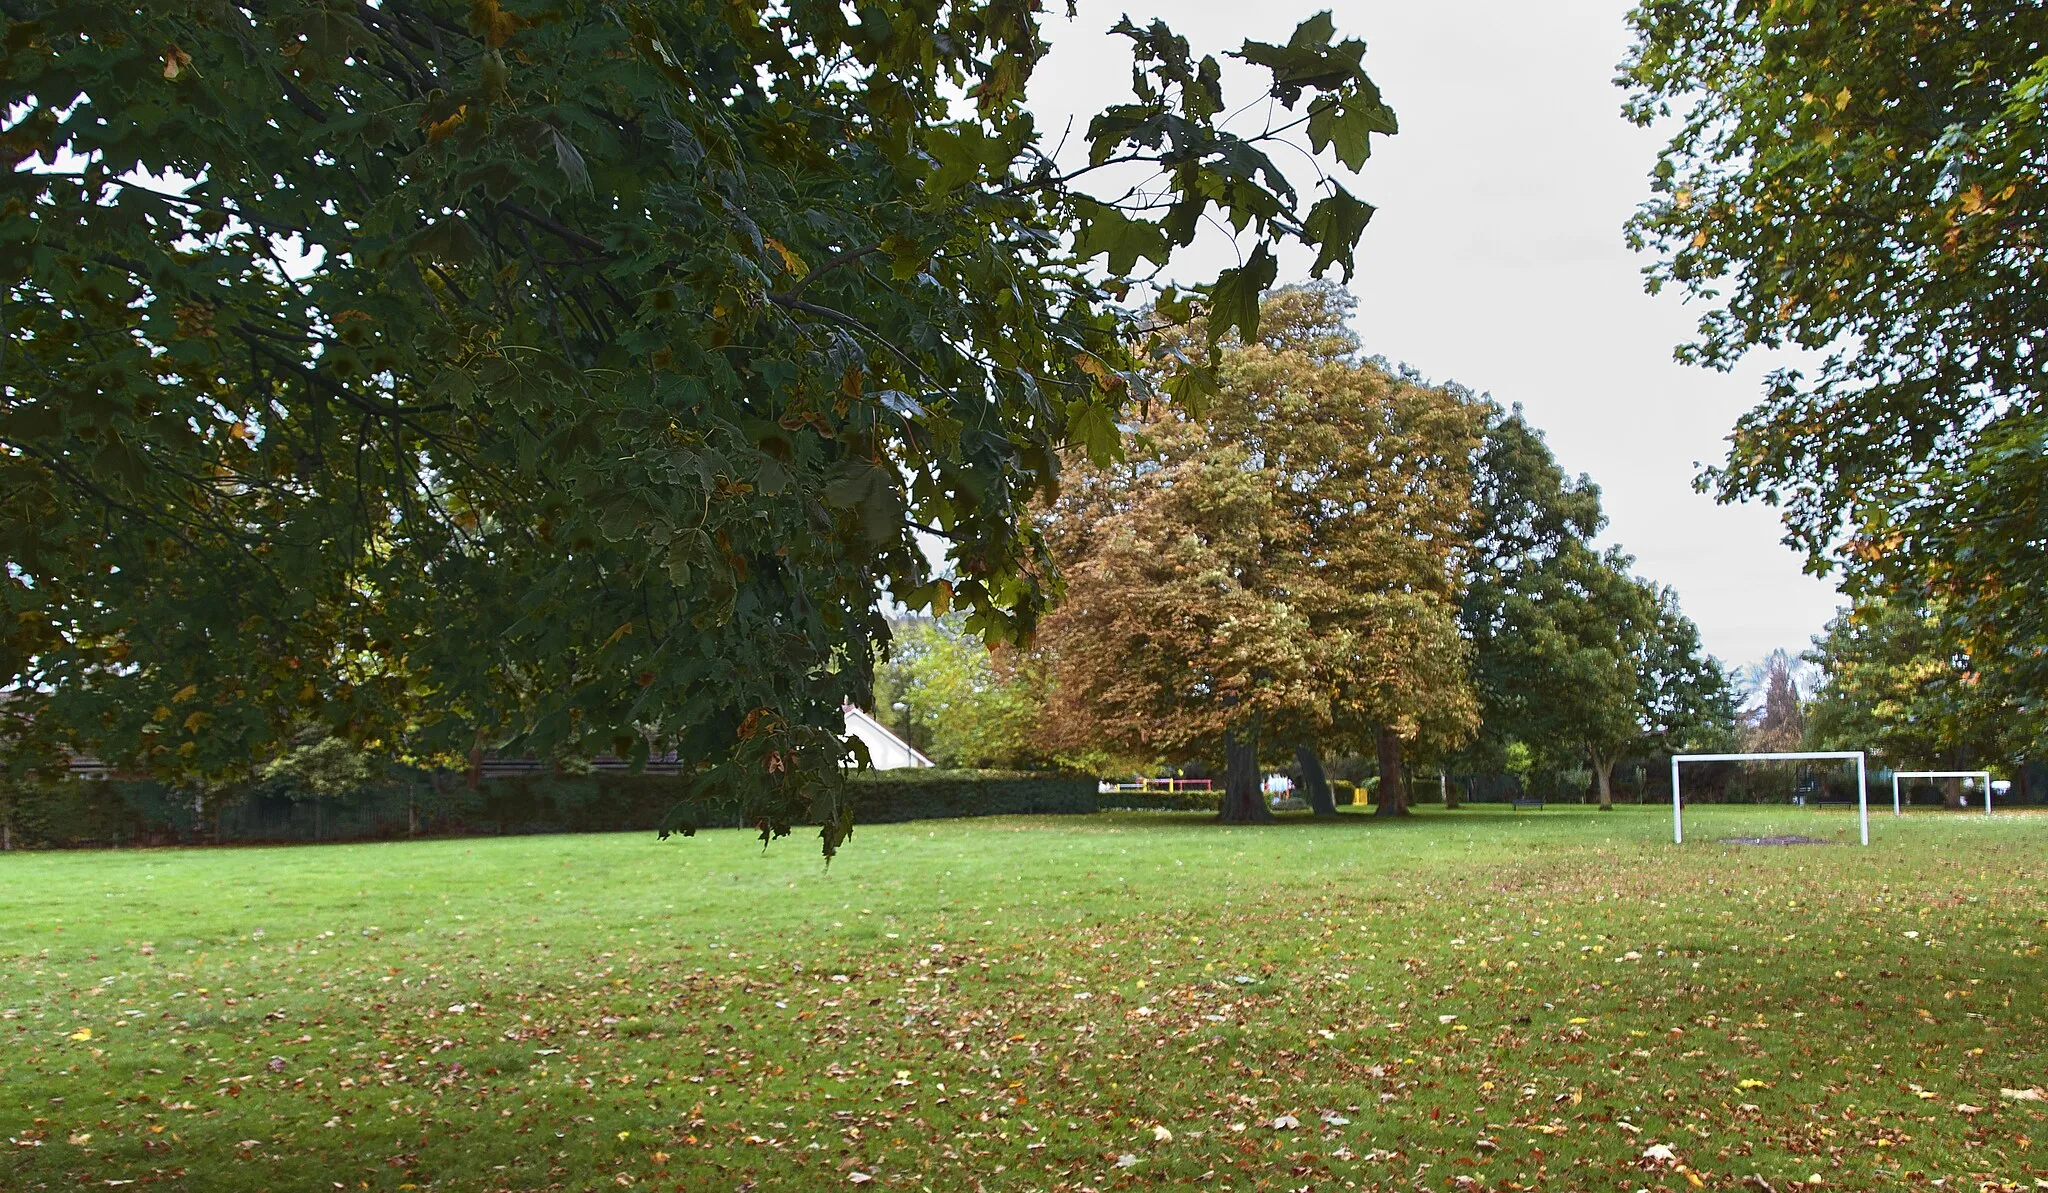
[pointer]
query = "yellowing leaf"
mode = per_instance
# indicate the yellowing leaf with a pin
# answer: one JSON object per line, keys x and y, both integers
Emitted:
{"x": 1106, "y": 378}
{"x": 175, "y": 62}
{"x": 790, "y": 260}
{"x": 490, "y": 21}
{"x": 440, "y": 129}
{"x": 83, "y": 1033}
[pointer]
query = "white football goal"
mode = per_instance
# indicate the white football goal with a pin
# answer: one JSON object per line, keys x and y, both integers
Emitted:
{"x": 1862, "y": 792}
{"x": 1983, "y": 775}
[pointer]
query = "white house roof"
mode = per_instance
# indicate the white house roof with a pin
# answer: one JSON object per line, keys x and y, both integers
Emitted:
{"x": 888, "y": 751}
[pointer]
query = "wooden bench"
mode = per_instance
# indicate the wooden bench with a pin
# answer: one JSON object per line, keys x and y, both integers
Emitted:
{"x": 1528, "y": 801}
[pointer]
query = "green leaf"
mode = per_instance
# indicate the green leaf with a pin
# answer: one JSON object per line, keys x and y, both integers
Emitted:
{"x": 1234, "y": 296}
{"x": 1093, "y": 426}
{"x": 1106, "y": 230}
{"x": 1192, "y": 387}
{"x": 871, "y": 491}
{"x": 1334, "y": 225}
{"x": 1348, "y": 122}
{"x": 1308, "y": 60}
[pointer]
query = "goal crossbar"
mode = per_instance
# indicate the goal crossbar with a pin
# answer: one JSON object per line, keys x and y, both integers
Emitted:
{"x": 1862, "y": 795}
{"x": 1940, "y": 774}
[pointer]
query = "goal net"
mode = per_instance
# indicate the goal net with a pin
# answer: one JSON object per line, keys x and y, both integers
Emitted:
{"x": 1679, "y": 761}
{"x": 1981, "y": 777}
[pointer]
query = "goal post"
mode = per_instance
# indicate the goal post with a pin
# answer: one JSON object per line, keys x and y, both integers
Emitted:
{"x": 1862, "y": 794}
{"x": 1940, "y": 774}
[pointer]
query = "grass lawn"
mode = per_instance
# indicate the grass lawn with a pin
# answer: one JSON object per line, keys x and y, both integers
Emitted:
{"x": 1472, "y": 999}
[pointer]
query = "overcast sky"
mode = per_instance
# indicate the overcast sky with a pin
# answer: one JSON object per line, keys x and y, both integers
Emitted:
{"x": 1496, "y": 260}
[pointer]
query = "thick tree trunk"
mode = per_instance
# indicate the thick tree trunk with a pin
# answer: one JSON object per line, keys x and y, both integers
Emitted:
{"x": 1393, "y": 793}
{"x": 1604, "y": 768}
{"x": 1444, "y": 788}
{"x": 1243, "y": 802}
{"x": 1315, "y": 781}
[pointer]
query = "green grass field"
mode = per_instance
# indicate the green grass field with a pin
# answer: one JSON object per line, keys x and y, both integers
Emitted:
{"x": 1472, "y": 999}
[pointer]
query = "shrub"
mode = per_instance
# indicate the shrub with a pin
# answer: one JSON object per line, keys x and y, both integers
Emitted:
{"x": 1158, "y": 801}
{"x": 119, "y": 812}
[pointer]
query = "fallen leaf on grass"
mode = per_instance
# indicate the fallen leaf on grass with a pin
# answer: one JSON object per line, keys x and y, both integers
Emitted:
{"x": 2024, "y": 1095}
{"x": 1661, "y": 1153}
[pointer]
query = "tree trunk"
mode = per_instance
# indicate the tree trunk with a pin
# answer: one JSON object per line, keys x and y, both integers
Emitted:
{"x": 1393, "y": 794}
{"x": 1604, "y": 768}
{"x": 1315, "y": 781}
{"x": 1243, "y": 802}
{"x": 412, "y": 809}
{"x": 1444, "y": 788}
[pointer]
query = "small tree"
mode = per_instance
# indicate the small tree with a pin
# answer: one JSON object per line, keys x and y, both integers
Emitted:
{"x": 943, "y": 690}
{"x": 1892, "y": 681}
{"x": 320, "y": 768}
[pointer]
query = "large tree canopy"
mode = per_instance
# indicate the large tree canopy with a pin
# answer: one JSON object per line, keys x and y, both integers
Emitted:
{"x": 573, "y": 376}
{"x": 1285, "y": 569}
{"x": 1864, "y": 182}
{"x": 1574, "y": 657}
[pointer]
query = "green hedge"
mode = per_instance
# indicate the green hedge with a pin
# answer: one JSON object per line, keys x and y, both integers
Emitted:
{"x": 88, "y": 813}
{"x": 1159, "y": 801}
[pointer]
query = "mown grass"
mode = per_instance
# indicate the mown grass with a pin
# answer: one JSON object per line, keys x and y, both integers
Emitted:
{"x": 1472, "y": 999}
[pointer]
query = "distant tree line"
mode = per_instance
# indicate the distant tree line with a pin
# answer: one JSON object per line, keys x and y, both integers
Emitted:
{"x": 1331, "y": 560}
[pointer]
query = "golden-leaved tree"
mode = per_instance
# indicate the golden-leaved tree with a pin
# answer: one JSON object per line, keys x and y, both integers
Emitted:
{"x": 1281, "y": 572}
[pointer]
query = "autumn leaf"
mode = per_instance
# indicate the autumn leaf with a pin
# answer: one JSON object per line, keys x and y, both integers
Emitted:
{"x": 790, "y": 261}
{"x": 489, "y": 20}
{"x": 439, "y": 130}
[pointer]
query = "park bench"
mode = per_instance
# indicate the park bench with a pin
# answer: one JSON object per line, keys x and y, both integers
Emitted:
{"x": 1528, "y": 801}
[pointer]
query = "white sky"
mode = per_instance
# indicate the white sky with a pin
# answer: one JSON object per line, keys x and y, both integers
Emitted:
{"x": 1496, "y": 260}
